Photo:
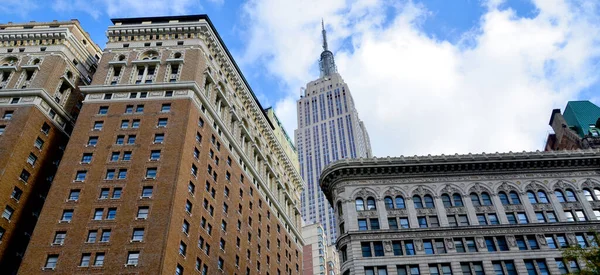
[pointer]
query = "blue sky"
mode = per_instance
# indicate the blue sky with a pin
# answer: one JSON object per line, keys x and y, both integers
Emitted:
{"x": 428, "y": 77}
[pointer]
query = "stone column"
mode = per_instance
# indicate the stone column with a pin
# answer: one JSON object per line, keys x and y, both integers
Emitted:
{"x": 441, "y": 211}
{"x": 500, "y": 212}
{"x": 587, "y": 208}
{"x": 470, "y": 210}
{"x": 350, "y": 216}
{"x": 382, "y": 214}
{"x": 558, "y": 210}
{"x": 412, "y": 213}
{"x": 528, "y": 208}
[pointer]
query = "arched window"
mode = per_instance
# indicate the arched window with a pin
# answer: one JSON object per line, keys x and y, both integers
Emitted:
{"x": 503, "y": 198}
{"x": 429, "y": 201}
{"x": 570, "y": 195}
{"x": 177, "y": 55}
{"x": 360, "y": 204}
{"x": 371, "y": 203}
{"x": 588, "y": 195}
{"x": 400, "y": 202}
{"x": 514, "y": 197}
{"x": 560, "y": 196}
{"x": 340, "y": 209}
{"x": 457, "y": 199}
{"x": 389, "y": 203}
{"x": 417, "y": 201}
{"x": 36, "y": 61}
{"x": 532, "y": 198}
{"x": 121, "y": 58}
{"x": 542, "y": 196}
{"x": 446, "y": 200}
{"x": 475, "y": 199}
{"x": 485, "y": 199}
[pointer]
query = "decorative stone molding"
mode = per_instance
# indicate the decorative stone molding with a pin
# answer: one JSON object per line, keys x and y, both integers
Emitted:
{"x": 542, "y": 207}
{"x": 426, "y": 211}
{"x": 571, "y": 205}
{"x": 397, "y": 212}
{"x": 367, "y": 214}
{"x": 514, "y": 207}
{"x": 485, "y": 209}
{"x": 456, "y": 210}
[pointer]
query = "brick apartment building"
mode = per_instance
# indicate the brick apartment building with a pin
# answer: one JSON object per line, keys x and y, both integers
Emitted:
{"x": 41, "y": 67}
{"x": 173, "y": 166}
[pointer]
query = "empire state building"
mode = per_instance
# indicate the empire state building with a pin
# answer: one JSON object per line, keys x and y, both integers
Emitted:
{"x": 329, "y": 129}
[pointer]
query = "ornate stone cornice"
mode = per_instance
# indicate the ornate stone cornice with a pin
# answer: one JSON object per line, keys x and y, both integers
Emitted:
{"x": 457, "y": 165}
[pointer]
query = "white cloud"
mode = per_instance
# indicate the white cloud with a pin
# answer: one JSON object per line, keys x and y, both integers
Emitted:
{"x": 20, "y": 7}
{"x": 492, "y": 91}
{"x": 129, "y": 8}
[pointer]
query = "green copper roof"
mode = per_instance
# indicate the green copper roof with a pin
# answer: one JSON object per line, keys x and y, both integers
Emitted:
{"x": 580, "y": 115}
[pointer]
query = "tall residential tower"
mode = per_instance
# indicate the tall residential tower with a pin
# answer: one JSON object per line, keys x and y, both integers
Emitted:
{"x": 173, "y": 166}
{"x": 328, "y": 130}
{"x": 42, "y": 66}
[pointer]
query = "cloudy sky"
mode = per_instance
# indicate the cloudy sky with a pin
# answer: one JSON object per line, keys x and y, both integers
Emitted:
{"x": 428, "y": 77}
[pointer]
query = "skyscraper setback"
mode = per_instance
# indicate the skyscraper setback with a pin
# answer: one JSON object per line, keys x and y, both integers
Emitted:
{"x": 173, "y": 166}
{"x": 329, "y": 129}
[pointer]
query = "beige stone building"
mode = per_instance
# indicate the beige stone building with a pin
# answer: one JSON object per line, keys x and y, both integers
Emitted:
{"x": 319, "y": 257}
{"x": 507, "y": 213}
{"x": 173, "y": 166}
{"x": 283, "y": 138}
{"x": 42, "y": 66}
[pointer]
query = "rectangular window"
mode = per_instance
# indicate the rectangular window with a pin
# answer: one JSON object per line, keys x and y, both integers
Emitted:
{"x": 86, "y": 158}
{"x": 115, "y": 156}
{"x": 85, "y": 260}
{"x": 162, "y": 122}
{"x": 138, "y": 235}
{"x": 39, "y": 143}
{"x": 111, "y": 214}
{"x": 159, "y": 138}
{"x": 122, "y": 174}
{"x": 32, "y": 159}
{"x": 139, "y": 109}
{"x": 110, "y": 174}
{"x": 120, "y": 140}
{"x": 92, "y": 141}
{"x": 132, "y": 258}
{"x": 147, "y": 191}
{"x": 80, "y": 176}
{"x": 99, "y": 260}
{"x": 362, "y": 224}
{"x": 105, "y": 237}
{"x": 59, "y": 238}
{"x": 135, "y": 124}
{"x": 142, "y": 213}
{"x": 124, "y": 124}
{"x": 126, "y": 156}
{"x": 155, "y": 155}
{"x": 98, "y": 125}
{"x": 131, "y": 139}
{"x": 165, "y": 108}
{"x": 91, "y": 238}
{"x": 129, "y": 109}
{"x": 67, "y": 215}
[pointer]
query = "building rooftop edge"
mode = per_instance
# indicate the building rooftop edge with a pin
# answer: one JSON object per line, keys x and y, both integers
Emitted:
{"x": 193, "y": 18}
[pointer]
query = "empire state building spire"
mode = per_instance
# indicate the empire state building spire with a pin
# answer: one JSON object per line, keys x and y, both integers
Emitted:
{"x": 327, "y": 63}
